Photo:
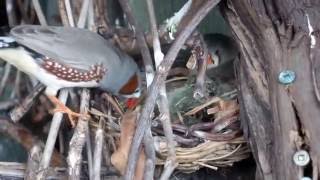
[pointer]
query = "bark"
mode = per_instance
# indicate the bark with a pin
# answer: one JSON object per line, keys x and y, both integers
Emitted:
{"x": 278, "y": 119}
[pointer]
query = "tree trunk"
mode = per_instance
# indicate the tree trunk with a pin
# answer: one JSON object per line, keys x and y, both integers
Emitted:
{"x": 279, "y": 120}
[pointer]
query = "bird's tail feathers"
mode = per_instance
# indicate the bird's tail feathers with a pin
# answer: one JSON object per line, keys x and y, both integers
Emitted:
{"x": 7, "y": 42}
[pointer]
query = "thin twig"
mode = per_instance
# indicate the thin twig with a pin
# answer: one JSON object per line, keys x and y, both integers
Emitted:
{"x": 83, "y": 14}
{"x": 69, "y": 12}
{"x": 171, "y": 24}
{"x": 5, "y": 76}
{"x": 51, "y": 139}
{"x": 78, "y": 139}
{"x": 147, "y": 60}
{"x": 211, "y": 101}
{"x": 106, "y": 151}
{"x": 5, "y": 105}
{"x": 25, "y": 138}
{"x": 89, "y": 153}
{"x": 96, "y": 112}
{"x": 33, "y": 162}
{"x": 150, "y": 155}
{"x": 114, "y": 104}
{"x": 163, "y": 100}
{"x": 11, "y": 13}
{"x": 148, "y": 169}
{"x": 167, "y": 129}
{"x": 169, "y": 167}
{"x": 91, "y": 22}
{"x": 38, "y": 9}
{"x": 61, "y": 142}
{"x": 127, "y": 42}
{"x": 16, "y": 93}
{"x": 149, "y": 147}
{"x": 25, "y": 19}
{"x": 103, "y": 22}
{"x": 63, "y": 13}
{"x": 19, "y": 111}
{"x": 106, "y": 154}
{"x": 98, "y": 153}
{"x": 163, "y": 69}
{"x": 14, "y": 170}
{"x": 158, "y": 55}
{"x": 201, "y": 53}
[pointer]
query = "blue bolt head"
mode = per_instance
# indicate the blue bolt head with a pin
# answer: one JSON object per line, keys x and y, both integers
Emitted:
{"x": 287, "y": 77}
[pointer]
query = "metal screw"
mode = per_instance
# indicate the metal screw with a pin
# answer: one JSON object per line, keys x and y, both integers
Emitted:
{"x": 306, "y": 178}
{"x": 301, "y": 158}
{"x": 286, "y": 77}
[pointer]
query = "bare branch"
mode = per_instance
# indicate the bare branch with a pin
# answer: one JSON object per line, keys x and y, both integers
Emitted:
{"x": 83, "y": 14}
{"x": 200, "y": 51}
{"x": 158, "y": 55}
{"x": 16, "y": 92}
{"x": 51, "y": 139}
{"x": 63, "y": 13}
{"x": 78, "y": 139}
{"x": 38, "y": 9}
{"x": 69, "y": 13}
{"x": 33, "y": 162}
{"x": 114, "y": 104}
{"x": 163, "y": 100}
{"x": 91, "y": 23}
{"x": 89, "y": 153}
{"x": 150, "y": 155}
{"x": 14, "y": 170}
{"x": 98, "y": 153}
{"x": 5, "y": 76}
{"x": 172, "y": 23}
{"x": 147, "y": 60}
{"x": 8, "y": 104}
{"x": 11, "y": 13}
{"x": 19, "y": 111}
{"x": 103, "y": 22}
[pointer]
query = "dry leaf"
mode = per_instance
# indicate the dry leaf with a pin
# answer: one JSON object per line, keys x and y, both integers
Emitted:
{"x": 228, "y": 108}
{"x": 213, "y": 110}
{"x": 120, "y": 157}
{"x": 192, "y": 62}
{"x": 202, "y": 106}
{"x": 228, "y": 104}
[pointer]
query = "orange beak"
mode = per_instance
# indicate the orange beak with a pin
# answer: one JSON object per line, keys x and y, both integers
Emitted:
{"x": 131, "y": 103}
{"x": 210, "y": 60}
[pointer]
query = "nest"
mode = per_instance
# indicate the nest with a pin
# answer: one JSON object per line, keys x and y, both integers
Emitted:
{"x": 207, "y": 132}
{"x": 210, "y": 154}
{"x": 207, "y": 144}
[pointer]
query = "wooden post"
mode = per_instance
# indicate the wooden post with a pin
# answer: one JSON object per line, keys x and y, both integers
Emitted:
{"x": 278, "y": 119}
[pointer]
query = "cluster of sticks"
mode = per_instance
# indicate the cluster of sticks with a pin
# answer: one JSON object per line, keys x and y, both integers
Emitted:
{"x": 191, "y": 15}
{"x": 212, "y": 144}
{"x": 92, "y": 15}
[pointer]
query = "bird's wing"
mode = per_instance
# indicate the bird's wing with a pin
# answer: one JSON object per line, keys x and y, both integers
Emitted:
{"x": 74, "y": 47}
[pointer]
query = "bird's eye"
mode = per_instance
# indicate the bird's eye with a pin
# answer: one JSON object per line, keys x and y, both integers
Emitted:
{"x": 137, "y": 90}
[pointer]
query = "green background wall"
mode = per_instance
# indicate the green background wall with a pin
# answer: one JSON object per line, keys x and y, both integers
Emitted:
{"x": 213, "y": 23}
